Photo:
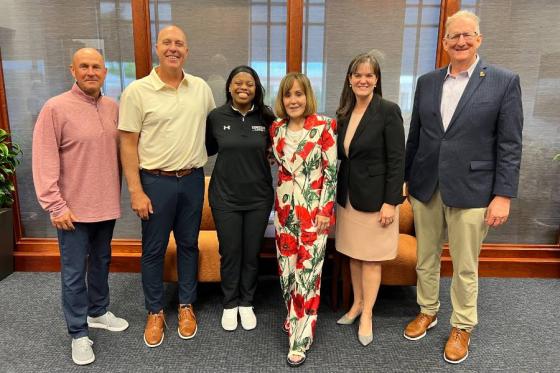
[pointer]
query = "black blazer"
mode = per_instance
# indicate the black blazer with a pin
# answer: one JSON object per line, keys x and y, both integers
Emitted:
{"x": 373, "y": 171}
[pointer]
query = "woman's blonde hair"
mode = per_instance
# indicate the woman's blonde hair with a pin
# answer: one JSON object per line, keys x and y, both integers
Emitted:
{"x": 285, "y": 85}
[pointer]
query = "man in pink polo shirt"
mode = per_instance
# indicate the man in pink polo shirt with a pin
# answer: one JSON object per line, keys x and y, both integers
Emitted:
{"x": 77, "y": 180}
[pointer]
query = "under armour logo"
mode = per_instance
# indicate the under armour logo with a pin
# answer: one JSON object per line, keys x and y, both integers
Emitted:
{"x": 227, "y": 128}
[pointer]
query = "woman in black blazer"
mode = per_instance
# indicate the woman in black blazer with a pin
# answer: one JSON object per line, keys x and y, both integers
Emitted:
{"x": 370, "y": 180}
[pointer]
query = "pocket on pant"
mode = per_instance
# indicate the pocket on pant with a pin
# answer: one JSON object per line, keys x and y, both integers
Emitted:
{"x": 148, "y": 179}
{"x": 474, "y": 216}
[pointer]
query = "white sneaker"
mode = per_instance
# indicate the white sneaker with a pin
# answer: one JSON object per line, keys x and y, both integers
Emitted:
{"x": 248, "y": 318}
{"x": 229, "y": 319}
{"x": 108, "y": 321}
{"x": 82, "y": 353}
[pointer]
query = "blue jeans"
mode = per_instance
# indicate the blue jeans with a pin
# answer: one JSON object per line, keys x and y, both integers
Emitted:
{"x": 85, "y": 249}
{"x": 177, "y": 203}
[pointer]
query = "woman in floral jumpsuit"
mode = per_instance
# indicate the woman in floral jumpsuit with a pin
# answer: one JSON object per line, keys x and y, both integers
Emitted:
{"x": 304, "y": 145}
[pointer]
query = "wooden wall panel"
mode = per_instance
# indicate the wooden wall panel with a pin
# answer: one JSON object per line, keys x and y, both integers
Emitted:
{"x": 448, "y": 8}
{"x": 142, "y": 37}
{"x": 294, "y": 35}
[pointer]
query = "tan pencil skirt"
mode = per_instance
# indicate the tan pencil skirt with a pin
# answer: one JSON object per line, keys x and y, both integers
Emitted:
{"x": 359, "y": 235}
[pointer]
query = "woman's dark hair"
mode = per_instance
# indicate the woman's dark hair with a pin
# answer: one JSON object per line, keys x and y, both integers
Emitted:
{"x": 258, "y": 101}
{"x": 347, "y": 97}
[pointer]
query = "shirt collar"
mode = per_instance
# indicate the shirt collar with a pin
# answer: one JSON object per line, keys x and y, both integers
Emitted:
{"x": 160, "y": 84}
{"x": 250, "y": 110}
{"x": 469, "y": 71}
{"x": 76, "y": 90}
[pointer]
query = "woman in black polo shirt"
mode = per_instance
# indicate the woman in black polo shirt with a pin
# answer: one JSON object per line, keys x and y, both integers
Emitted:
{"x": 240, "y": 191}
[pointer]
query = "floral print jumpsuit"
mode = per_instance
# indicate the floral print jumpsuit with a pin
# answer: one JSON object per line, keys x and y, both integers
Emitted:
{"x": 306, "y": 188}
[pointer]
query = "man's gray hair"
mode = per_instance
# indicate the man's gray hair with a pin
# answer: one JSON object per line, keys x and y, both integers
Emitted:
{"x": 463, "y": 14}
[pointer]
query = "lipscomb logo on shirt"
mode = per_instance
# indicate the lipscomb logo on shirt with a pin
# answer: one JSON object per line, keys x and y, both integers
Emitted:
{"x": 258, "y": 128}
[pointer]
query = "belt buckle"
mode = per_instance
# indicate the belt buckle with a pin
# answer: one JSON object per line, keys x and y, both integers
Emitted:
{"x": 177, "y": 174}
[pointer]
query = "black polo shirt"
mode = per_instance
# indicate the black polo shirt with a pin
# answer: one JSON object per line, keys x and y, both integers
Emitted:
{"x": 241, "y": 179}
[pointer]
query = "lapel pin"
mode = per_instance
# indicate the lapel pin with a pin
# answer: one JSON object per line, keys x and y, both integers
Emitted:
{"x": 482, "y": 74}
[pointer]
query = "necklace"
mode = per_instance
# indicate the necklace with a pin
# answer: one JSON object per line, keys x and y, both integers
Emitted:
{"x": 295, "y": 136}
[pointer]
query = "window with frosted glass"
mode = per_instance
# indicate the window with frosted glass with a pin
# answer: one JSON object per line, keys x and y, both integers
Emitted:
{"x": 38, "y": 40}
{"x": 522, "y": 36}
{"x": 223, "y": 34}
{"x": 401, "y": 34}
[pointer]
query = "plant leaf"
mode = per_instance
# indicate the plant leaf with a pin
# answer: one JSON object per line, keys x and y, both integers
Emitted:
{"x": 4, "y": 150}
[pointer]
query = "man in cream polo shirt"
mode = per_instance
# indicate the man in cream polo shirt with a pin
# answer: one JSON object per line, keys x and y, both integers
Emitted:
{"x": 162, "y": 123}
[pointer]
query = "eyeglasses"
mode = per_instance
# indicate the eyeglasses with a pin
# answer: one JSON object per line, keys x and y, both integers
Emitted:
{"x": 468, "y": 36}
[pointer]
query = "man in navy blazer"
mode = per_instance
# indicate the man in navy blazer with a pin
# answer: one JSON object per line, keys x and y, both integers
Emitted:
{"x": 462, "y": 168}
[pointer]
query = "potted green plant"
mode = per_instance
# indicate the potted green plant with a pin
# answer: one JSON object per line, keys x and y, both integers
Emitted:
{"x": 9, "y": 153}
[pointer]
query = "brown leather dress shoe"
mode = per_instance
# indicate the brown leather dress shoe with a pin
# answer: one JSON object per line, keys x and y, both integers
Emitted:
{"x": 417, "y": 328}
{"x": 457, "y": 346}
{"x": 187, "y": 322}
{"x": 153, "y": 332}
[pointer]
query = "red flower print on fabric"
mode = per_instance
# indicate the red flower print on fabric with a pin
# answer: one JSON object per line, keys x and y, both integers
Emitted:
{"x": 283, "y": 175}
{"x": 317, "y": 283}
{"x": 287, "y": 244}
{"x": 312, "y": 305}
{"x": 303, "y": 255}
{"x": 308, "y": 238}
{"x": 318, "y": 184}
{"x": 328, "y": 209}
{"x": 307, "y": 148}
{"x": 313, "y": 326}
{"x": 304, "y": 218}
{"x": 314, "y": 213}
{"x": 334, "y": 125}
{"x": 326, "y": 140}
{"x": 310, "y": 122}
{"x": 297, "y": 303}
{"x": 283, "y": 214}
{"x": 280, "y": 145}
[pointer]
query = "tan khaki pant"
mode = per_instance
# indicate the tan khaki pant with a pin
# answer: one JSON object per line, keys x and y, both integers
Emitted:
{"x": 466, "y": 230}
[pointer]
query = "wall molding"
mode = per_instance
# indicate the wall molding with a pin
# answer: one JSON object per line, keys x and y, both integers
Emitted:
{"x": 496, "y": 260}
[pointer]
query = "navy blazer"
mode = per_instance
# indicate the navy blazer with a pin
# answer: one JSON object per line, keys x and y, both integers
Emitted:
{"x": 373, "y": 171}
{"x": 479, "y": 155}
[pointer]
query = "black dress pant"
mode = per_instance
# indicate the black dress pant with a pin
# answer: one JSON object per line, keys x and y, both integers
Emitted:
{"x": 240, "y": 234}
